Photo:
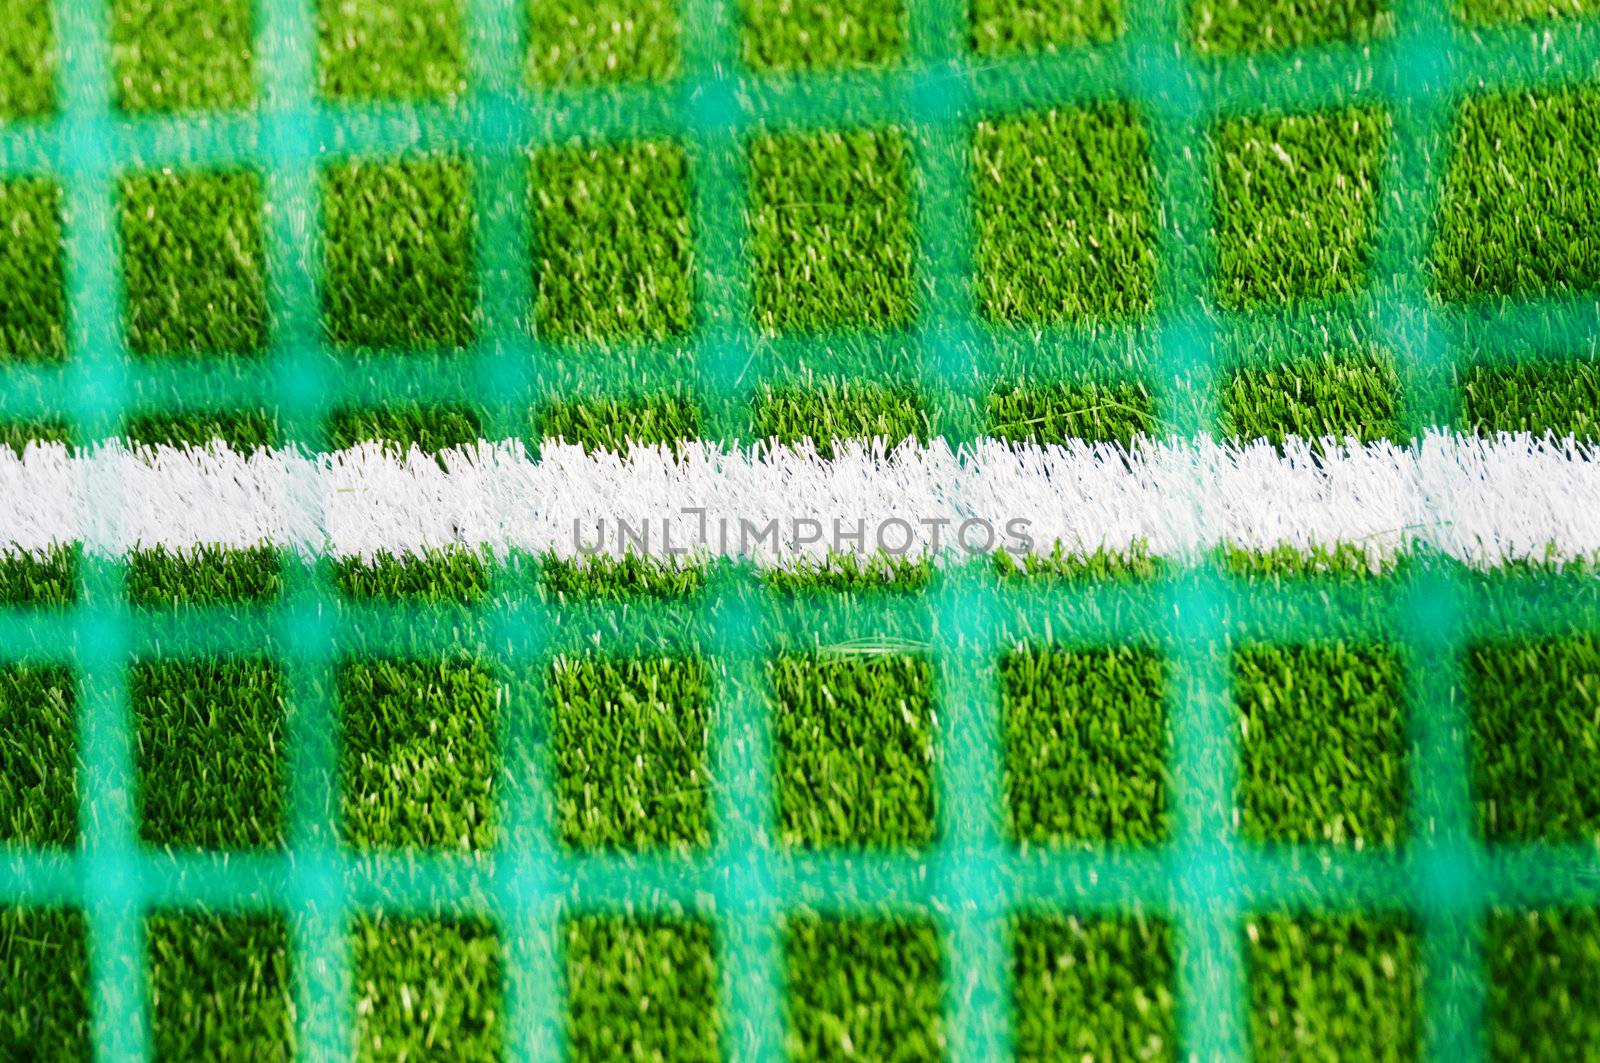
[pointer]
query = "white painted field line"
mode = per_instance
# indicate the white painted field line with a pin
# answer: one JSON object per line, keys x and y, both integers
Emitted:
{"x": 1483, "y": 501}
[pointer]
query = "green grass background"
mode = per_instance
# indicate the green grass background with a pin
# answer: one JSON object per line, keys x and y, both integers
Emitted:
{"x": 1087, "y": 760}
{"x": 1066, "y": 229}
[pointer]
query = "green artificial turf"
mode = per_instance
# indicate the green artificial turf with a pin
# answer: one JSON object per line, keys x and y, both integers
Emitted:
{"x": 204, "y": 575}
{"x": 1344, "y": 562}
{"x": 1520, "y": 211}
{"x": 1093, "y": 988}
{"x": 33, "y": 298}
{"x": 1535, "y": 738}
{"x": 208, "y": 741}
{"x": 641, "y": 988}
{"x": 1488, "y": 12}
{"x": 1323, "y": 743}
{"x": 863, "y": 987}
{"x": 612, "y": 240}
{"x": 44, "y": 984}
{"x": 1060, "y": 566}
{"x": 16, "y": 435}
{"x": 828, "y": 412}
{"x": 1543, "y": 974}
{"x": 574, "y": 43}
{"x": 392, "y": 49}
{"x": 631, "y": 743}
{"x": 831, "y": 231}
{"x": 789, "y": 35}
{"x": 183, "y": 55}
{"x": 854, "y": 750}
{"x": 1065, "y": 224}
{"x": 27, "y": 59}
{"x": 219, "y": 986}
{"x": 1314, "y": 397}
{"x": 615, "y": 423}
{"x": 242, "y": 430}
{"x": 1297, "y": 203}
{"x": 405, "y": 425}
{"x": 1333, "y": 988}
{"x": 878, "y": 574}
{"x": 1050, "y": 415}
{"x": 1562, "y": 398}
{"x": 398, "y": 256}
{"x": 194, "y": 271}
{"x": 1242, "y": 26}
{"x": 38, "y": 759}
{"x": 1085, "y": 745}
{"x": 619, "y": 578}
{"x": 459, "y": 576}
{"x": 418, "y": 754}
{"x": 427, "y": 988}
{"x": 49, "y": 579}
{"x": 1006, "y": 27}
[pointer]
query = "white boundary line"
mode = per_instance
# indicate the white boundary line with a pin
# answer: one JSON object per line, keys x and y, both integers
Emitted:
{"x": 1483, "y": 501}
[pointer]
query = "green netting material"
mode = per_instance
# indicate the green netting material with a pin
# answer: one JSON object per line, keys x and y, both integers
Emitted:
{"x": 1204, "y": 877}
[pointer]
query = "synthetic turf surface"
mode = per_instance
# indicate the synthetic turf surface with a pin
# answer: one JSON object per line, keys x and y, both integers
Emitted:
{"x": 1067, "y": 227}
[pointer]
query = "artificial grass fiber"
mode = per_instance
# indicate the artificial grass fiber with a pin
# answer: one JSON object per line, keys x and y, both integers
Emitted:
{"x": 1544, "y": 994}
{"x": 398, "y": 254}
{"x": 631, "y": 745}
{"x": 392, "y": 49}
{"x": 830, "y": 231}
{"x": 219, "y": 986}
{"x": 1559, "y": 397}
{"x": 417, "y": 754}
{"x": 33, "y": 301}
{"x": 402, "y": 426}
{"x": 1322, "y": 760}
{"x": 1244, "y": 26}
{"x": 641, "y": 987}
{"x": 1297, "y": 201}
{"x": 1333, "y": 988}
{"x": 1092, "y": 988}
{"x": 1517, "y": 158}
{"x": 193, "y": 271}
{"x": 47, "y": 579}
{"x": 1065, "y": 223}
{"x": 611, "y": 228}
{"x": 1489, "y": 12}
{"x": 210, "y": 575}
{"x": 242, "y": 430}
{"x": 1085, "y": 746}
{"x": 44, "y": 984}
{"x": 1342, "y": 396}
{"x": 1046, "y": 415}
{"x": 1323, "y": 743}
{"x": 1536, "y": 739}
{"x": 38, "y": 758}
{"x": 866, "y": 987}
{"x": 782, "y": 35}
{"x": 16, "y": 435}
{"x": 27, "y": 60}
{"x": 855, "y": 750}
{"x": 575, "y": 43}
{"x": 616, "y": 423}
{"x": 183, "y": 55}
{"x": 441, "y": 576}
{"x": 830, "y": 412}
{"x": 428, "y": 988}
{"x": 1006, "y": 27}
{"x": 620, "y": 329}
{"x": 209, "y": 744}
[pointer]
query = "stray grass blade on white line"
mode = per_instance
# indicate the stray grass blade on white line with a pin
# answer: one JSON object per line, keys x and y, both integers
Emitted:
{"x": 1484, "y": 501}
